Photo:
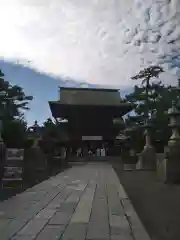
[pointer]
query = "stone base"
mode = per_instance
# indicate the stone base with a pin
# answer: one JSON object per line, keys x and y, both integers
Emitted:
{"x": 147, "y": 159}
{"x": 2, "y": 158}
{"x": 129, "y": 167}
{"x": 35, "y": 165}
{"x": 168, "y": 169}
{"x": 161, "y": 170}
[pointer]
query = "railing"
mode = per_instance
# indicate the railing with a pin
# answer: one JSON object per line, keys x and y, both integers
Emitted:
{"x": 93, "y": 159}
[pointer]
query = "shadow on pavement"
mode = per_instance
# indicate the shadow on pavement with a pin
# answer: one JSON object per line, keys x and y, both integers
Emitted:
{"x": 157, "y": 204}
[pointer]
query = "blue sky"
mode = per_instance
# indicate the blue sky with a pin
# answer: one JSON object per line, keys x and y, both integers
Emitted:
{"x": 42, "y": 87}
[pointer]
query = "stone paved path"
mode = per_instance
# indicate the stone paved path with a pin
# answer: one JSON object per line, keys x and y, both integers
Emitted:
{"x": 86, "y": 202}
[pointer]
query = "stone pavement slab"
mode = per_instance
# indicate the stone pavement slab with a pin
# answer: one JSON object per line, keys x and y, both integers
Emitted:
{"x": 51, "y": 232}
{"x": 75, "y": 231}
{"x": 60, "y": 218}
{"x": 86, "y": 202}
{"x": 33, "y": 227}
{"x": 83, "y": 210}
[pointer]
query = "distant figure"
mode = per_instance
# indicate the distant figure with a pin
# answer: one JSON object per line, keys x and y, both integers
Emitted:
{"x": 98, "y": 152}
{"x": 79, "y": 152}
{"x": 64, "y": 153}
{"x": 90, "y": 152}
{"x": 103, "y": 152}
{"x": 70, "y": 151}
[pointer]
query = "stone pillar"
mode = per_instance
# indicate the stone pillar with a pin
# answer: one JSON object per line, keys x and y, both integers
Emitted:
{"x": 130, "y": 158}
{"x": 2, "y": 152}
{"x": 168, "y": 169}
{"x": 147, "y": 160}
{"x": 35, "y": 158}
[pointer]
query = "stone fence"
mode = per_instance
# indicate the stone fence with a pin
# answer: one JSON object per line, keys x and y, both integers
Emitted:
{"x": 94, "y": 159}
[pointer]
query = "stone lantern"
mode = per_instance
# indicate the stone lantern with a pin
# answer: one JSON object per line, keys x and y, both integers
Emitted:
{"x": 1, "y": 140}
{"x": 3, "y": 94}
{"x": 35, "y": 130}
{"x": 2, "y": 146}
{"x": 147, "y": 159}
{"x": 174, "y": 114}
{"x": 35, "y": 159}
{"x": 169, "y": 168}
{"x": 2, "y": 107}
{"x": 147, "y": 127}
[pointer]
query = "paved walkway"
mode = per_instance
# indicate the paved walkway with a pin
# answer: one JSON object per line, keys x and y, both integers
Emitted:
{"x": 84, "y": 202}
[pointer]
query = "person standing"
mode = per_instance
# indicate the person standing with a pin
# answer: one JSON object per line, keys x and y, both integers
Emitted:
{"x": 64, "y": 153}
{"x": 90, "y": 152}
{"x": 98, "y": 152}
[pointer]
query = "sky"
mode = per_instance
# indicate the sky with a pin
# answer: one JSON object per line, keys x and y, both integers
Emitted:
{"x": 102, "y": 42}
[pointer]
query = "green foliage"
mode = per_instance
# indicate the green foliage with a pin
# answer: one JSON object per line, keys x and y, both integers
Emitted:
{"x": 153, "y": 99}
{"x": 148, "y": 73}
{"x": 48, "y": 123}
{"x": 160, "y": 99}
{"x": 14, "y": 133}
{"x": 12, "y": 101}
{"x": 50, "y": 129}
{"x": 54, "y": 134}
{"x": 54, "y": 130}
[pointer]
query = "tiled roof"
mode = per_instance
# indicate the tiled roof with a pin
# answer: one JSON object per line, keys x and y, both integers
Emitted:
{"x": 88, "y": 96}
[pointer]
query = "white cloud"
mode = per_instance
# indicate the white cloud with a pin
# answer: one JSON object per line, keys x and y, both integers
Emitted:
{"x": 100, "y": 41}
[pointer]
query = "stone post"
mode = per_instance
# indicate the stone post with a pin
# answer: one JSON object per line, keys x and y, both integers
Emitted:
{"x": 147, "y": 137}
{"x": 2, "y": 151}
{"x": 130, "y": 158}
{"x": 174, "y": 124}
{"x": 169, "y": 168}
{"x": 36, "y": 133}
{"x": 35, "y": 159}
{"x": 147, "y": 159}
